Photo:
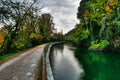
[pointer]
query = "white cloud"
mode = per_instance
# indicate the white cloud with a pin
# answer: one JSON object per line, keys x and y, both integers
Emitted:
{"x": 63, "y": 12}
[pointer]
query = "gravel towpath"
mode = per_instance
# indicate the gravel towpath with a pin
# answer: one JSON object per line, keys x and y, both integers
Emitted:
{"x": 22, "y": 67}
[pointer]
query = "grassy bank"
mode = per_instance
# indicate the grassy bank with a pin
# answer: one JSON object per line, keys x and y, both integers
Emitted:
{"x": 38, "y": 74}
{"x": 13, "y": 54}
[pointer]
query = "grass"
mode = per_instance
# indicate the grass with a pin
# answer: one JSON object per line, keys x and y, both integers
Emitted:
{"x": 40, "y": 69}
{"x": 42, "y": 66}
{"x": 8, "y": 56}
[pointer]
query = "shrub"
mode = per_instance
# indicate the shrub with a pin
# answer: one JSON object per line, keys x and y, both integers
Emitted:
{"x": 36, "y": 38}
{"x": 21, "y": 42}
{"x": 99, "y": 45}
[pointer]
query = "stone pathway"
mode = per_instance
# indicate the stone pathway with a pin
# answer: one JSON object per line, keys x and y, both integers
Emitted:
{"x": 22, "y": 67}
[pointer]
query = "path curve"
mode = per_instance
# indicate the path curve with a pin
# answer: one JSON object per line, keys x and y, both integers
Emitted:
{"x": 22, "y": 67}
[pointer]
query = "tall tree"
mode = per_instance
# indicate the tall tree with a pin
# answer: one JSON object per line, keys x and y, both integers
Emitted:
{"x": 12, "y": 14}
{"x": 100, "y": 18}
{"x": 46, "y": 25}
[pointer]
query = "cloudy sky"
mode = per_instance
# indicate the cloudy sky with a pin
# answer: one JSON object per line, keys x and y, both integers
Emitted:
{"x": 63, "y": 12}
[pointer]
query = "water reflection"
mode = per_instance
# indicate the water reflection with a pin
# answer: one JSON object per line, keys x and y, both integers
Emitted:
{"x": 99, "y": 65}
{"x": 64, "y": 65}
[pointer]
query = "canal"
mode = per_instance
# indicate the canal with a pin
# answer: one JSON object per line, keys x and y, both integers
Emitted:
{"x": 71, "y": 63}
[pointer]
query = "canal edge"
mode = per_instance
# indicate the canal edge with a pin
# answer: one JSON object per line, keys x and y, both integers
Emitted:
{"x": 49, "y": 73}
{"x": 48, "y": 66}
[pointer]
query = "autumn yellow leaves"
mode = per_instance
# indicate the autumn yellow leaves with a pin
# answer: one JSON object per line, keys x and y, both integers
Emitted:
{"x": 111, "y": 5}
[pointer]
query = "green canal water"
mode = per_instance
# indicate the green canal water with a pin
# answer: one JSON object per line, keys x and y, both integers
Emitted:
{"x": 71, "y": 63}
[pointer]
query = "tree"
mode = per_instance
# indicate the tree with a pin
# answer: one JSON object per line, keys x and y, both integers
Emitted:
{"x": 101, "y": 19}
{"x": 46, "y": 26}
{"x": 12, "y": 14}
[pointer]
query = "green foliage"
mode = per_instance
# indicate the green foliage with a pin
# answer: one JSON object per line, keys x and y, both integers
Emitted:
{"x": 22, "y": 42}
{"x": 58, "y": 36}
{"x": 99, "y": 45}
{"x": 79, "y": 34}
{"x": 104, "y": 43}
{"x": 23, "y": 26}
{"x": 99, "y": 18}
{"x": 28, "y": 28}
{"x": 36, "y": 38}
